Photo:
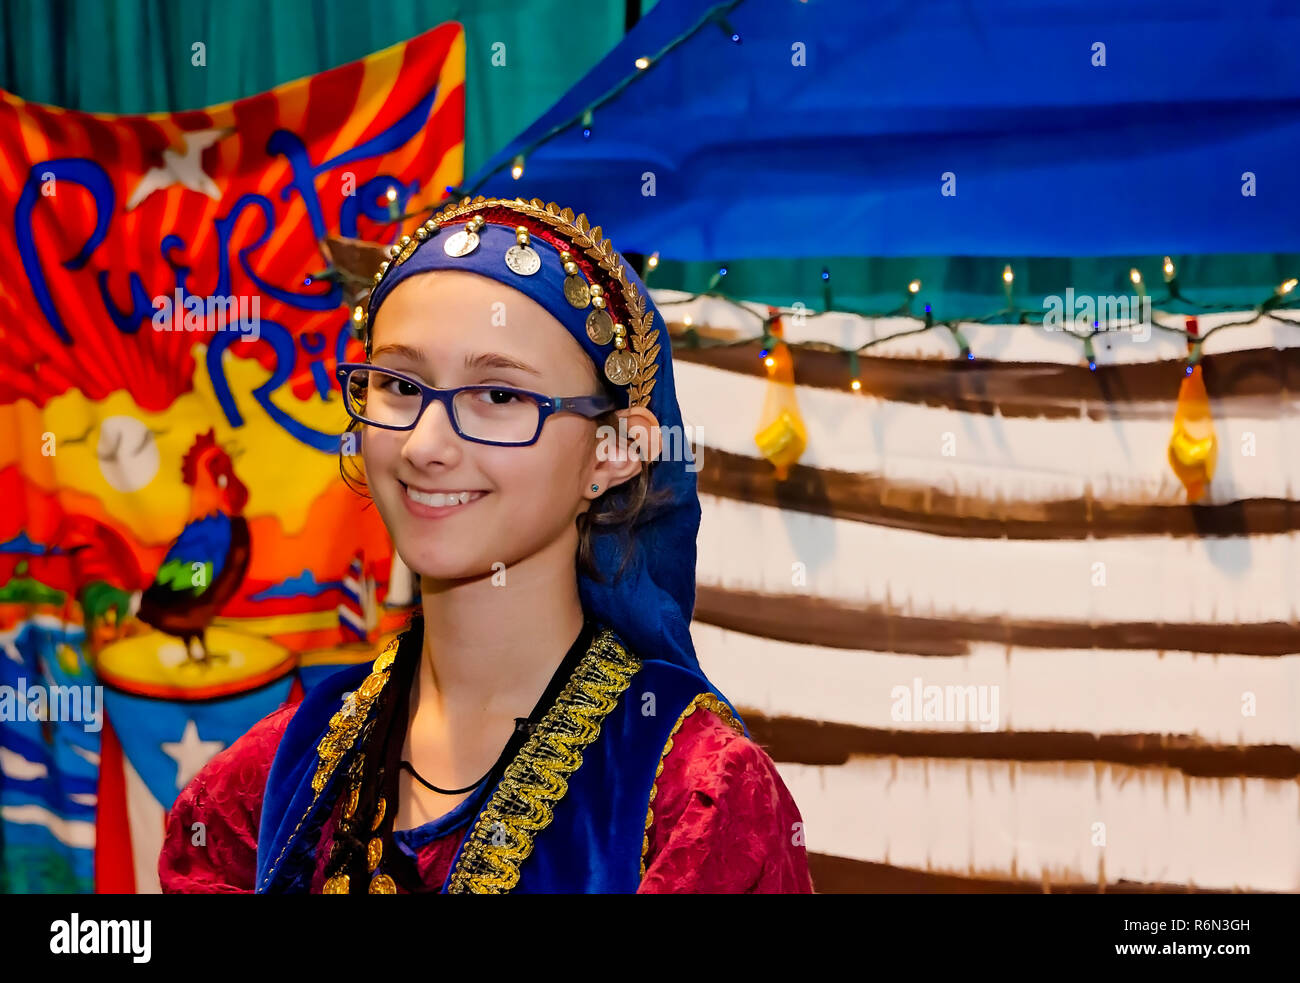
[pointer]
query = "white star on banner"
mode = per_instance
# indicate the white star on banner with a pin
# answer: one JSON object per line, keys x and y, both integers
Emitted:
{"x": 181, "y": 168}
{"x": 190, "y": 753}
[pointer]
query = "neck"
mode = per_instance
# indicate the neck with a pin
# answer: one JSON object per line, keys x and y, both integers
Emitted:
{"x": 492, "y": 647}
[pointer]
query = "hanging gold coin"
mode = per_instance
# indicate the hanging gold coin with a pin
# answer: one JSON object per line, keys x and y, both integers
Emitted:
{"x": 523, "y": 260}
{"x": 600, "y": 327}
{"x": 382, "y": 884}
{"x": 620, "y": 367}
{"x": 461, "y": 244}
{"x": 576, "y": 291}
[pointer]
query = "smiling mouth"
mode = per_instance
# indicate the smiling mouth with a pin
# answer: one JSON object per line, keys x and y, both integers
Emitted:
{"x": 441, "y": 500}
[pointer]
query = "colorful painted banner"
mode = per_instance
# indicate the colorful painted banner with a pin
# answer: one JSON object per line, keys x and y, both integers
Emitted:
{"x": 178, "y": 553}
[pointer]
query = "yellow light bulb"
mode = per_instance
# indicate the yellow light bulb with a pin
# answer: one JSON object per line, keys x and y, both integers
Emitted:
{"x": 1288, "y": 286}
{"x": 914, "y": 286}
{"x": 391, "y": 193}
{"x": 769, "y": 361}
{"x": 1134, "y": 275}
{"x": 1007, "y": 275}
{"x": 517, "y": 171}
{"x": 653, "y": 261}
{"x": 687, "y": 320}
{"x": 643, "y": 63}
{"x": 1169, "y": 268}
{"x": 856, "y": 384}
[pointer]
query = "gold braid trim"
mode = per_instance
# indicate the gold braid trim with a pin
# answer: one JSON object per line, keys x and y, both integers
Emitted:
{"x": 644, "y": 342}
{"x": 537, "y": 778}
{"x": 345, "y": 726}
{"x": 709, "y": 702}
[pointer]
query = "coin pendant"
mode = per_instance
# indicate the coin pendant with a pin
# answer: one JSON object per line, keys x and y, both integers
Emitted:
{"x": 576, "y": 291}
{"x": 600, "y": 327}
{"x": 620, "y": 367}
{"x": 461, "y": 244}
{"x": 523, "y": 260}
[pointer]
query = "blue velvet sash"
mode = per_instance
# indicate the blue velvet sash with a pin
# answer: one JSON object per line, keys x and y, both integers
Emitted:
{"x": 568, "y": 816}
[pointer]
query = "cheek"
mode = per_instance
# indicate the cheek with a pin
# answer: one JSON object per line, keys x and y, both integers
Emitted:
{"x": 380, "y": 449}
{"x": 548, "y": 473}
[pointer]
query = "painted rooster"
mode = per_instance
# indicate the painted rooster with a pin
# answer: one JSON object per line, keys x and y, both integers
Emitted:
{"x": 205, "y": 566}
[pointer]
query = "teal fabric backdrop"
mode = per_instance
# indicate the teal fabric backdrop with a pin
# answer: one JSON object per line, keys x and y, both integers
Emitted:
{"x": 129, "y": 56}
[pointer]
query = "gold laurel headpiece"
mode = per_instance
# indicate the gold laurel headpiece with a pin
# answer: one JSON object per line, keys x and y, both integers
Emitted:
{"x": 595, "y": 278}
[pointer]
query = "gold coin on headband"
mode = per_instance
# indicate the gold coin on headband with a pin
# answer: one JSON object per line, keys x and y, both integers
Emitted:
{"x": 620, "y": 367}
{"x": 461, "y": 244}
{"x": 523, "y": 260}
{"x": 600, "y": 327}
{"x": 576, "y": 291}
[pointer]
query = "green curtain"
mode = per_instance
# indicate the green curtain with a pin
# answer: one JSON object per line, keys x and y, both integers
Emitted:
{"x": 131, "y": 56}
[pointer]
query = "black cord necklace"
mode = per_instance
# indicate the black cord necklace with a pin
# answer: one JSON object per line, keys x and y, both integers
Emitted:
{"x": 522, "y": 725}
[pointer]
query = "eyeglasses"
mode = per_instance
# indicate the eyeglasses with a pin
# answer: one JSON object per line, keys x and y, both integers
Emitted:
{"x": 498, "y": 415}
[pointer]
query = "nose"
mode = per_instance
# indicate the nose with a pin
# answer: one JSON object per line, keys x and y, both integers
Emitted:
{"x": 433, "y": 440}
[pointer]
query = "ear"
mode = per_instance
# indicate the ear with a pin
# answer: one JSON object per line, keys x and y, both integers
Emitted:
{"x": 622, "y": 449}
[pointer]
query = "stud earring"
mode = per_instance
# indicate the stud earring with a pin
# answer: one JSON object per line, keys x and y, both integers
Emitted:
{"x": 595, "y": 487}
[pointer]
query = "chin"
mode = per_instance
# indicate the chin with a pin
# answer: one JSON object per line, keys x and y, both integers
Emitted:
{"x": 444, "y": 565}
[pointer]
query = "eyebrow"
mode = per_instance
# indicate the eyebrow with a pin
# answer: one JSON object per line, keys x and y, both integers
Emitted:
{"x": 495, "y": 360}
{"x": 484, "y": 360}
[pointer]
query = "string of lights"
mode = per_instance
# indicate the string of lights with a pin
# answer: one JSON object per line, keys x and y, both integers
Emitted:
{"x": 585, "y": 117}
{"x": 1283, "y": 298}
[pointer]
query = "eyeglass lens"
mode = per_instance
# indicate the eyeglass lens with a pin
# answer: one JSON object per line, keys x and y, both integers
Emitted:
{"x": 376, "y": 396}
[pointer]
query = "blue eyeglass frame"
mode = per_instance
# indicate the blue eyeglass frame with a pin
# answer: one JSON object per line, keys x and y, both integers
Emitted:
{"x": 547, "y": 406}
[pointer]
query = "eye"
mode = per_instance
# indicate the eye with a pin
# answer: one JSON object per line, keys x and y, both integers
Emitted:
{"x": 396, "y": 386}
{"x": 498, "y": 397}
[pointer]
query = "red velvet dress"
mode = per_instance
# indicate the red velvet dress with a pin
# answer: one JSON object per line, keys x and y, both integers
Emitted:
{"x": 724, "y": 822}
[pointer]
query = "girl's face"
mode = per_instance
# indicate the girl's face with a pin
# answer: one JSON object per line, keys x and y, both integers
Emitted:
{"x": 455, "y": 328}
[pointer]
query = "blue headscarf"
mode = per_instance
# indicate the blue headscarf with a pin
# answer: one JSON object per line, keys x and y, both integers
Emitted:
{"x": 651, "y": 605}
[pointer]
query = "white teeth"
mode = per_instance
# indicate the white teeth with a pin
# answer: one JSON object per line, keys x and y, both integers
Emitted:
{"x": 440, "y": 499}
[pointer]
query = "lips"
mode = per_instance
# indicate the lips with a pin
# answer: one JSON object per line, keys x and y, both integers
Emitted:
{"x": 429, "y": 504}
{"x": 440, "y": 499}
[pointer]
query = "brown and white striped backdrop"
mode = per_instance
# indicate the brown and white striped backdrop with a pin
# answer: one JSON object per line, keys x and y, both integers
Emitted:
{"x": 1160, "y": 711}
